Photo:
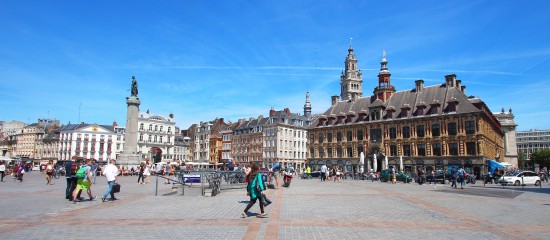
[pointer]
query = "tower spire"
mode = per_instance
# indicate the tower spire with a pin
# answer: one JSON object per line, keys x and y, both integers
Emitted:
{"x": 384, "y": 89}
{"x": 307, "y": 106}
{"x": 351, "y": 79}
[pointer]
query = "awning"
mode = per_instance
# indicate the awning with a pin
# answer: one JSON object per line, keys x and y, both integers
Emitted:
{"x": 494, "y": 165}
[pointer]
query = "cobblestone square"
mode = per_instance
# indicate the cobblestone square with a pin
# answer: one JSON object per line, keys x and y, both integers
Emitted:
{"x": 309, "y": 209}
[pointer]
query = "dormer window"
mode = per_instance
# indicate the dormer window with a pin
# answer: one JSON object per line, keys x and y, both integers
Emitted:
{"x": 375, "y": 115}
{"x": 420, "y": 111}
{"x": 452, "y": 107}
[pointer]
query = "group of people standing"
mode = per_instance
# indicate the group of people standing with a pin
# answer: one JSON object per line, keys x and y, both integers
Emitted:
{"x": 327, "y": 173}
{"x": 80, "y": 175}
{"x": 144, "y": 171}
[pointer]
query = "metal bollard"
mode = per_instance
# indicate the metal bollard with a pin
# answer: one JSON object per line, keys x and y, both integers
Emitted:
{"x": 156, "y": 184}
{"x": 522, "y": 183}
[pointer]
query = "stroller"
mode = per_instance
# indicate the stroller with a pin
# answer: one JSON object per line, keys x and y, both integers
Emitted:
{"x": 287, "y": 177}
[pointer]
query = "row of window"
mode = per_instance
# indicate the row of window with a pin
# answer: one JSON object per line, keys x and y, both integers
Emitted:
{"x": 154, "y": 139}
{"x": 156, "y": 127}
{"x": 405, "y": 150}
{"x": 534, "y": 145}
{"x": 376, "y": 134}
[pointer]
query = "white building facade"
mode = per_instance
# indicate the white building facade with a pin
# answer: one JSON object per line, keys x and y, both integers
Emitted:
{"x": 87, "y": 141}
{"x": 285, "y": 139}
{"x": 156, "y": 136}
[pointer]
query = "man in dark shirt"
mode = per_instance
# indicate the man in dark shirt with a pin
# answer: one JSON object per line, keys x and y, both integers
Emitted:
{"x": 70, "y": 174}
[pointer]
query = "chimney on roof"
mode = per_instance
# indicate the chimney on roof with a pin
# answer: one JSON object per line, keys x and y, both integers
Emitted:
{"x": 419, "y": 85}
{"x": 450, "y": 80}
{"x": 114, "y": 123}
{"x": 459, "y": 84}
{"x": 272, "y": 112}
{"x": 354, "y": 97}
{"x": 463, "y": 89}
{"x": 287, "y": 111}
{"x": 335, "y": 100}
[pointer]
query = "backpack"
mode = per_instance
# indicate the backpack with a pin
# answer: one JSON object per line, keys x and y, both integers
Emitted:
{"x": 73, "y": 169}
{"x": 81, "y": 173}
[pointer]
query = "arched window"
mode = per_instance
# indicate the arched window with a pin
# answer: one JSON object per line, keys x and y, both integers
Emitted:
{"x": 141, "y": 127}
{"x": 156, "y": 127}
{"x": 150, "y": 127}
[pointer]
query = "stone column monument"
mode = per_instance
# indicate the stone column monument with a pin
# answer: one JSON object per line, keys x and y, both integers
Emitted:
{"x": 130, "y": 155}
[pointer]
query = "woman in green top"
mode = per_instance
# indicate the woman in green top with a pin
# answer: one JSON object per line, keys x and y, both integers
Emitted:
{"x": 255, "y": 188}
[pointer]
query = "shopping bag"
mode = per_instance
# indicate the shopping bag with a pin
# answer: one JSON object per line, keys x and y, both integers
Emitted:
{"x": 116, "y": 188}
{"x": 265, "y": 200}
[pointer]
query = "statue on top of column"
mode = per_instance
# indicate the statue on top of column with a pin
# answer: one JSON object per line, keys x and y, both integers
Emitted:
{"x": 134, "y": 87}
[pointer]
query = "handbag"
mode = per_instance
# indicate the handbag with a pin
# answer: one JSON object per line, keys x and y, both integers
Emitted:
{"x": 265, "y": 200}
{"x": 116, "y": 188}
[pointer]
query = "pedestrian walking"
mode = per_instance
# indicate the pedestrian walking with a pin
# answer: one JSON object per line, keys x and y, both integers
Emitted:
{"x": 324, "y": 171}
{"x": 255, "y": 188}
{"x": 454, "y": 176}
{"x": 70, "y": 174}
{"x": 84, "y": 175}
{"x": 461, "y": 178}
{"x": 111, "y": 172}
{"x": 167, "y": 169}
{"x": 393, "y": 175}
{"x": 94, "y": 169}
{"x": 140, "y": 174}
{"x": 308, "y": 172}
{"x": 338, "y": 173}
{"x": 2, "y": 171}
{"x": 147, "y": 171}
{"x": 49, "y": 172}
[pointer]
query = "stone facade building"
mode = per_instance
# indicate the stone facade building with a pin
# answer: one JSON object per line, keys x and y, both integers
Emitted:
{"x": 247, "y": 144}
{"x": 156, "y": 136}
{"x": 280, "y": 137}
{"x": 207, "y": 141}
{"x": 227, "y": 142}
{"x": 285, "y": 138}
{"x": 434, "y": 127}
{"x": 508, "y": 127}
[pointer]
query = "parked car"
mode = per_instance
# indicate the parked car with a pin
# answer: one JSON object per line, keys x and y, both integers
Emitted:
{"x": 520, "y": 178}
{"x": 385, "y": 176}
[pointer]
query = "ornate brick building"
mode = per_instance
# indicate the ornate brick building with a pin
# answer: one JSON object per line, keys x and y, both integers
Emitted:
{"x": 434, "y": 127}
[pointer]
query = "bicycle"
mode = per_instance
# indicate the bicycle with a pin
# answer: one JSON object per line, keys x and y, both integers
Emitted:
{"x": 57, "y": 173}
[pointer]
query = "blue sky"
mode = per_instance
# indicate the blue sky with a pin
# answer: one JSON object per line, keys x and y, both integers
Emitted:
{"x": 237, "y": 59}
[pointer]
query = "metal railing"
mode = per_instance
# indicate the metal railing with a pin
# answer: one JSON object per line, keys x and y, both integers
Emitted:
{"x": 216, "y": 181}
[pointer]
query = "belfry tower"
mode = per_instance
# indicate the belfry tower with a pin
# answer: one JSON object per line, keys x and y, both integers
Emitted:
{"x": 384, "y": 89}
{"x": 351, "y": 79}
{"x": 307, "y": 106}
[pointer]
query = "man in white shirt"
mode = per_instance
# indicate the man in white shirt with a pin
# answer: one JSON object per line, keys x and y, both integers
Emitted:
{"x": 111, "y": 173}
{"x": 323, "y": 173}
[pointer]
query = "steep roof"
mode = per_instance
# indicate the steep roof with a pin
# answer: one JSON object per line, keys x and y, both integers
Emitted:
{"x": 405, "y": 104}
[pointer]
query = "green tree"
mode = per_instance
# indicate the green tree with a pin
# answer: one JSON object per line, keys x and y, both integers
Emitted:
{"x": 542, "y": 157}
